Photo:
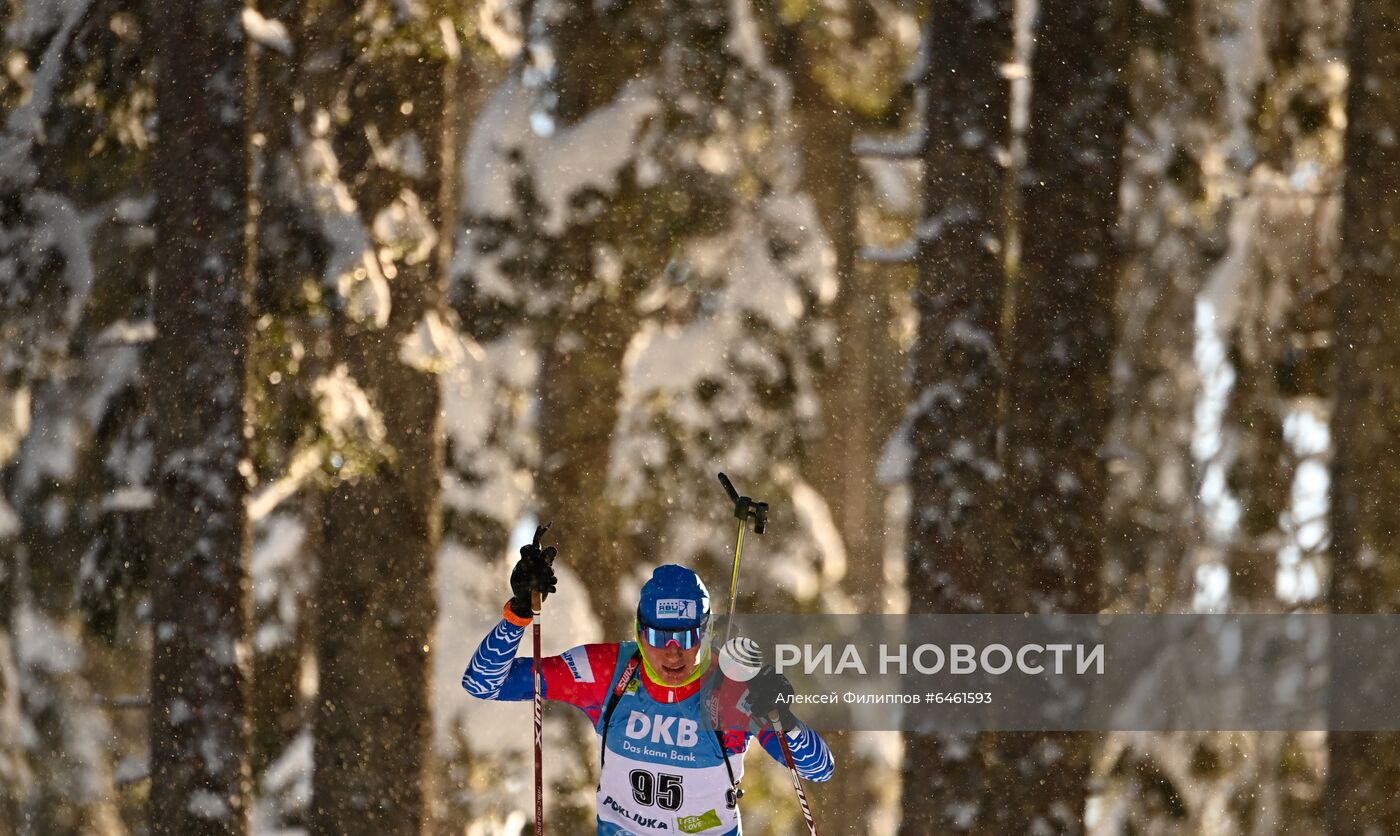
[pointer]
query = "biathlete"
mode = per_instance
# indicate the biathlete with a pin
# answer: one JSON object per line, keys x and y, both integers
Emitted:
{"x": 674, "y": 729}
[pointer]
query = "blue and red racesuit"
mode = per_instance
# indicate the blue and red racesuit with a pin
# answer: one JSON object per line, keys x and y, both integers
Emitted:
{"x": 664, "y": 770}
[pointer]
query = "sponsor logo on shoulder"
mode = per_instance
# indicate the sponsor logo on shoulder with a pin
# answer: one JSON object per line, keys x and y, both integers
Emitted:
{"x": 577, "y": 660}
{"x": 675, "y": 608}
{"x": 697, "y": 824}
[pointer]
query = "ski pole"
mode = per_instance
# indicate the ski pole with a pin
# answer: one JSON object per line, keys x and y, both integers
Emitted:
{"x": 745, "y": 509}
{"x": 536, "y": 600}
{"x": 536, "y": 606}
{"x": 792, "y": 770}
{"x": 734, "y": 584}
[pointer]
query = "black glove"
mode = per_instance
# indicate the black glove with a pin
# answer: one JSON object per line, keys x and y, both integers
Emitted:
{"x": 770, "y": 690}
{"x": 534, "y": 572}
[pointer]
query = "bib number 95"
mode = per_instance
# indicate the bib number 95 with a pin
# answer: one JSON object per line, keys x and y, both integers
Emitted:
{"x": 661, "y": 789}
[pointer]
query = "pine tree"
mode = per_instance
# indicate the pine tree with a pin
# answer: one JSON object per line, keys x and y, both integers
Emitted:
{"x": 376, "y": 113}
{"x": 199, "y": 734}
{"x": 1058, "y": 390}
{"x": 843, "y": 65}
{"x": 956, "y": 558}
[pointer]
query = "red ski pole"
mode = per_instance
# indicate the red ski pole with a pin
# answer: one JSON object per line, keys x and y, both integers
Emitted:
{"x": 536, "y": 599}
{"x": 792, "y": 769}
{"x": 536, "y": 605}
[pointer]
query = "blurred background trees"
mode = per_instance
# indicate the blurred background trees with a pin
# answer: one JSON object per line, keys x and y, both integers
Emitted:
{"x": 311, "y": 309}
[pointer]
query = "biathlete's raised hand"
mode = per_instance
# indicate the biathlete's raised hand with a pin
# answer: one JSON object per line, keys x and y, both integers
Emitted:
{"x": 534, "y": 572}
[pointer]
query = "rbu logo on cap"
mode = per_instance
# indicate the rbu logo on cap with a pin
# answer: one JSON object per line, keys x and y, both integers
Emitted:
{"x": 675, "y": 608}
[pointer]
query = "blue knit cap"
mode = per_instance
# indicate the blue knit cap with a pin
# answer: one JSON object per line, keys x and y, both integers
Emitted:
{"x": 675, "y": 598}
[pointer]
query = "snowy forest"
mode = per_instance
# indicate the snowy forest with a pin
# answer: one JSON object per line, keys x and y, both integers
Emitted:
{"x": 311, "y": 311}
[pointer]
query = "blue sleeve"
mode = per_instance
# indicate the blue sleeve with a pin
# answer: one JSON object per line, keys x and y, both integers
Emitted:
{"x": 494, "y": 673}
{"x": 810, "y": 753}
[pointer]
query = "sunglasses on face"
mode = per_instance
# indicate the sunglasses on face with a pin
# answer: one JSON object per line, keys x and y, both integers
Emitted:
{"x": 685, "y": 639}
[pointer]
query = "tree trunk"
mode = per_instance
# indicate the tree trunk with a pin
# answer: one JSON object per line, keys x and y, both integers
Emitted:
{"x": 1058, "y": 392}
{"x": 381, "y": 525}
{"x": 1363, "y": 782}
{"x": 858, "y": 412}
{"x": 199, "y": 735}
{"x": 859, "y": 391}
{"x": 954, "y": 550}
{"x": 580, "y": 389}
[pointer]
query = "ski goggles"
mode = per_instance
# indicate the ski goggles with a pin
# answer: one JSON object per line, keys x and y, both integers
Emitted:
{"x": 685, "y": 638}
